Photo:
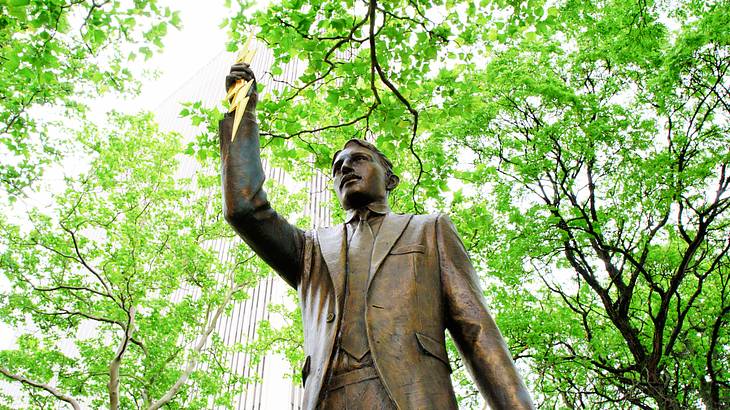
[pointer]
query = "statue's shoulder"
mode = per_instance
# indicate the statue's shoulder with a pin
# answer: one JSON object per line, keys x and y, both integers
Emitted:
{"x": 325, "y": 231}
{"x": 426, "y": 218}
{"x": 314, "y": 231}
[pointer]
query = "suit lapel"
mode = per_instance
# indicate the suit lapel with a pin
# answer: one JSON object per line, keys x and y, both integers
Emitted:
{"x": 332, "y": 244}
{"x": 390, "y": 230}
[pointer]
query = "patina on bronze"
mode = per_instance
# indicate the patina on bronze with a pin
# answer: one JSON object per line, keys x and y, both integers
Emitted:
{"x": 377, "y": 292}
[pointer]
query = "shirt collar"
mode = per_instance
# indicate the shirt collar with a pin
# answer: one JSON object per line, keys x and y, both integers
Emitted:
{"x": 379, "y": 208}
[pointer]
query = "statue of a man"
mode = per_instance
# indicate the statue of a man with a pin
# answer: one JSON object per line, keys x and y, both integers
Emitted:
{"x": 377, "y": 292}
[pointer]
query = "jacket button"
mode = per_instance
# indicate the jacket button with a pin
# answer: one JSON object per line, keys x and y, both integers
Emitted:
{"x": 330, "y": 317}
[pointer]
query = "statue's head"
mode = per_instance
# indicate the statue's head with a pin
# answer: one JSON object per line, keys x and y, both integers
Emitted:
{"x": 362, "y": 174}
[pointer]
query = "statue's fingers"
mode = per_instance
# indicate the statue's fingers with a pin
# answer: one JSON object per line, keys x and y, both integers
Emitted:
{"x": 246, "y": 74}
{"x": 241, "y": 68}
{"x": 238, "y": 66}
{"x": 236, "y": 76}
{"x": 241, "y": 71}
{"x": 231, "y": 80}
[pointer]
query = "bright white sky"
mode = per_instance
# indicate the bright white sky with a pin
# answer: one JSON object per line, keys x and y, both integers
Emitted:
{"x": 185, "y": 52}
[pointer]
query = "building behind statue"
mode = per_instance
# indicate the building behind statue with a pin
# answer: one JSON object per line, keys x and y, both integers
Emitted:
{"x": 275, "y": 391}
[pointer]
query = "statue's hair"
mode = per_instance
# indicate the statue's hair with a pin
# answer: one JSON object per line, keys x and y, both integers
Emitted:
{"x": 384, "y": 161}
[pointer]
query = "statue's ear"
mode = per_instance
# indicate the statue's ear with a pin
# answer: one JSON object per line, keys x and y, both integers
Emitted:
{"x": 392, "y": 182}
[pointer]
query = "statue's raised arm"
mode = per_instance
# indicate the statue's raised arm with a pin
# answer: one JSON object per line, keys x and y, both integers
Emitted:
{"x": 245, "y": 205}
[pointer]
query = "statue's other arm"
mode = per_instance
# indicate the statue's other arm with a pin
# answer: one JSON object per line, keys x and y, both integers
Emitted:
{"x": 245, "y": 205}
{"x": 471, "y": 325}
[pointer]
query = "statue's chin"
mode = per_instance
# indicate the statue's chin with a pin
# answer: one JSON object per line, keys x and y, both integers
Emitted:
{"x": 356, "y": 200}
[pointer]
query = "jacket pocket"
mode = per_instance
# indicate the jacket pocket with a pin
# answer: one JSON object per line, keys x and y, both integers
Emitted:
{"x": 434, "y": 348}
{"x": 305, "y": 370}
{"x": 408, "y": 249}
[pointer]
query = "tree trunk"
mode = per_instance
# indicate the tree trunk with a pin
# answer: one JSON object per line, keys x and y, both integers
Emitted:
{"x": 116, "y": 363}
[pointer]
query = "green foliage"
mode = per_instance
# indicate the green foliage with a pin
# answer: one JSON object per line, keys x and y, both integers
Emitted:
{"x": 609, "y": 159}
{"x": 55, "y": 53}
{"x": 124, "y": 266}
{"x": 581, "y": 149}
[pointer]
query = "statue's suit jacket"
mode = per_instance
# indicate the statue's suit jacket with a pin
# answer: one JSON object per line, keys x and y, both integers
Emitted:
{"x": 421, "y": 283}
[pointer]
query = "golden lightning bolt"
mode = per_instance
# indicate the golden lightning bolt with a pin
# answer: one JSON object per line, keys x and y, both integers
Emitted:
{"x": 238, "y": 93}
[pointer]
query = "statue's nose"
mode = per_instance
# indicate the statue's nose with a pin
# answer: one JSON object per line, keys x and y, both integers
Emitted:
{"x": 347, "y": 166}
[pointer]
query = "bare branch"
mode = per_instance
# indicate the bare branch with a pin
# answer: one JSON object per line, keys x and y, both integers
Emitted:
{"x": 381, "y": 74}
{"x": 50, "y": 389}
{"x": 83, "y": 261}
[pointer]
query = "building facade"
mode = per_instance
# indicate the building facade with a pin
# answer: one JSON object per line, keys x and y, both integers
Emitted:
{"x": 275, "y": 390}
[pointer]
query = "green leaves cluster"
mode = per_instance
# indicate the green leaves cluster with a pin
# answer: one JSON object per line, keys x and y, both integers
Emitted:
{"x": 607, "y": 142}
{"x": 55, "y": 53}
{"x": 580, "y": 147}
{"x": 117, "y": 289}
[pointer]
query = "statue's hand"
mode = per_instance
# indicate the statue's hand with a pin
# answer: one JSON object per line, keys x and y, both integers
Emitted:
{"x": 242, "y": 71}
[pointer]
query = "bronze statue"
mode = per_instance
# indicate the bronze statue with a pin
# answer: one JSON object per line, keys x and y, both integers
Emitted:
{"x": 377, "y": 292}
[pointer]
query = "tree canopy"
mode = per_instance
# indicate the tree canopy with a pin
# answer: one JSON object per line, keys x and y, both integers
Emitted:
{"x": 581, "y": 148}
{"x": 117, "y": 290}
{"x": 53, "y": 54}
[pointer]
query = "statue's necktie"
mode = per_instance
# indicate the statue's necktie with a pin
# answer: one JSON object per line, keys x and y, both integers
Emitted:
{"x": 359, "y": 252}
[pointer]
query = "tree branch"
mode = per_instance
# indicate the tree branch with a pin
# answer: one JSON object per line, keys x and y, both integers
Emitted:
{"x": 116, "y": 363}
{"x": 83, "y": 261}
{"x": 193, "y": 356}
{"x": 50, "y": 389}
{"x": 381, "y": 74}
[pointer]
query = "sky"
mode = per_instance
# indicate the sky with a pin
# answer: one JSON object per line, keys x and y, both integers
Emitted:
{"x": 185, "y": 52}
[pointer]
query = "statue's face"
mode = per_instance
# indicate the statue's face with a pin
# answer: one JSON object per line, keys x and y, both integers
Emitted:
{"x": 359, "y": 177}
